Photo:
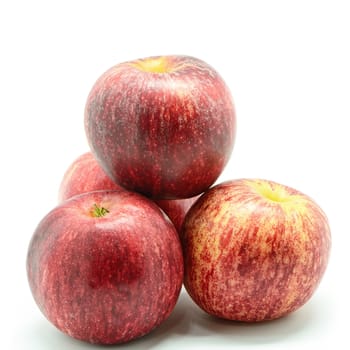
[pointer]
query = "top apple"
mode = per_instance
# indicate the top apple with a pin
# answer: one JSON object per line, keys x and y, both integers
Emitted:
{"x": 162, "y": 126}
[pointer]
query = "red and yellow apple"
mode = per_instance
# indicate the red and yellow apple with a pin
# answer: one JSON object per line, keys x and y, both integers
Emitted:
{"x": 163, "y": 126}
{"x": 86, "y": 175}
{"x": 105, "y": 267}
{"x": 254, "y": 250}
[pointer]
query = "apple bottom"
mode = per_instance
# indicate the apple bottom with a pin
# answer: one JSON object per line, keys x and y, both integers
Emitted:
{"x": 249, "y": 295}
{"x": 111, "y": 314}
{"x": 112, "y": 322}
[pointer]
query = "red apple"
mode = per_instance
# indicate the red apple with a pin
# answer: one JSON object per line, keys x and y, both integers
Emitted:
{"x": 86, "y": 175}
{"x": 254, "y": 250}
{"x": 105, "y": 267}
{"x": 162, "y": 126}
{"x": 176, "y": 209}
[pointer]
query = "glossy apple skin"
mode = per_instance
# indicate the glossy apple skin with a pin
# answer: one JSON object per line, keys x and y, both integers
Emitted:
{"x": 166, "y": 135}
{"x": 107, "y": 279}
{"x": 251, "y": 258}
{"x": 86, "y": 175}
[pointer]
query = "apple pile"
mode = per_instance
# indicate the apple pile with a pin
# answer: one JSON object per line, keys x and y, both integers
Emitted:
{"x": 138, "y": 216}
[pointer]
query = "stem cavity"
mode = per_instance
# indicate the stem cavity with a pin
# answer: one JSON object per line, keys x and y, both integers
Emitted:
{"x": 99, "y": 211}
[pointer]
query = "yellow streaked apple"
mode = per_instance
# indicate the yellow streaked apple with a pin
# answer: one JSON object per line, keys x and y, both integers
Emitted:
{"x": 254, "y": 250}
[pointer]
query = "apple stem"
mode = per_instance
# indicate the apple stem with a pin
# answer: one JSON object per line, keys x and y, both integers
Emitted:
{"x": 98, "y": 211}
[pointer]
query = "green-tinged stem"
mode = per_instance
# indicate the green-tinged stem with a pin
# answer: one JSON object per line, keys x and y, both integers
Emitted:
{"x": 98, "y": 211}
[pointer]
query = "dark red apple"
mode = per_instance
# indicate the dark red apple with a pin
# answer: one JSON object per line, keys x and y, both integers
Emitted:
{"x": 162, "y": 126}
{"x": 254, "y": 250}
{"x": 86, "y": 175}
{"x": 176, "y": 209}
{"x": 105, "y": 267}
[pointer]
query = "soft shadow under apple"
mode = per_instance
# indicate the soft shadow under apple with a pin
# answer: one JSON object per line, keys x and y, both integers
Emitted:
{"x": 193, "y": 326}
{"x": 298, "y": 324}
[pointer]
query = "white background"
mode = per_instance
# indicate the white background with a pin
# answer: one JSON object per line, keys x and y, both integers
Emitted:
{"x": 287, "y": 64}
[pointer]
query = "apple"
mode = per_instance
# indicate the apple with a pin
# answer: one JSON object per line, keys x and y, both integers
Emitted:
{"x": 86, "y": 175}
{"x": 176, "y": 209}
{"x": 163, "y": 126}
{"x": 105, "y": 267}
{"x": 83, "y": 175}
{"x": 254, "y": 250}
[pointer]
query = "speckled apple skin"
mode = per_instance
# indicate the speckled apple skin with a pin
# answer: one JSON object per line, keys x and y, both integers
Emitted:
{"x": 86, "y": 175}
{"x": 248, "y": 258}
{"x": 83, "y": 175}
{"x": 105, "y": 279}
{"x": 166, "y": 135}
